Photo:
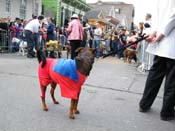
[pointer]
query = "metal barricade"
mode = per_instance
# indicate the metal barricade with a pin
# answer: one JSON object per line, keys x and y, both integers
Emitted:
{"x": 145, "y": 59}
{"x": 4, "y": 39}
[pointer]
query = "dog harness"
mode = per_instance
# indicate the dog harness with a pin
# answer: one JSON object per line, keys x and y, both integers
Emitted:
{"x": 70, "y": 87}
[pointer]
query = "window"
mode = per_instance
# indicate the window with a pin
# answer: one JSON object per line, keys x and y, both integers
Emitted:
{"x": 36, "y": 9}
{"x": 8, "y": 6}
{"x": 22, "y": 11}
{"x": 117, "y": 11}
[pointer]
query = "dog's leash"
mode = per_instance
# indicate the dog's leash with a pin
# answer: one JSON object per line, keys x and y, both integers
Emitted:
{"x": 143, "y": 37}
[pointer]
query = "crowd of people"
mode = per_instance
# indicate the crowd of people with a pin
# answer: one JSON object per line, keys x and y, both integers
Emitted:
{"x": 39, "y": 30}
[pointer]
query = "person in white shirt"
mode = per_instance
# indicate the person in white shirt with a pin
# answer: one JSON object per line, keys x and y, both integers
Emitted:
{"x": 97, "y": 38}
{"x": 147, "y": 23}
{"x": 145, "y": 58}
{"x": 162, "y": 45}
{"x": 31, "y": 32}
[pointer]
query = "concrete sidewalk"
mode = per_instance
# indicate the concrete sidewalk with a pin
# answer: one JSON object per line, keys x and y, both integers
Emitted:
{"x": 108, "y": 102}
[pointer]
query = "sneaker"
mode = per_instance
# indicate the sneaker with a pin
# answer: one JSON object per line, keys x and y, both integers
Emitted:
{"x": 121, "y": 58}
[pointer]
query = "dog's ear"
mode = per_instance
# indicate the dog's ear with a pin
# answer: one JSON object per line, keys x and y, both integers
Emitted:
{"x": 79, "y": 49}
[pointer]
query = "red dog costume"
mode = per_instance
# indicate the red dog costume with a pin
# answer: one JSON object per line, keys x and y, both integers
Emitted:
{"x": 69, "y": 87}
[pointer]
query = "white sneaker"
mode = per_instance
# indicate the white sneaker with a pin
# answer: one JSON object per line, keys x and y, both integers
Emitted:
{"x": 121, "y": 58}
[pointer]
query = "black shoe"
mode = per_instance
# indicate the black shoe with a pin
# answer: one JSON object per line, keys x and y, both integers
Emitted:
{"x": 29, "y": 56}
{"x": 167, "y": 118}
{"x": 144, "y": 110}
{"x": 33, "y": 54}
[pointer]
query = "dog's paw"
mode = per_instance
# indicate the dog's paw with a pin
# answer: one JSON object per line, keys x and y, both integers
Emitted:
{"x": 76, "y": 112}
{"x": 71, "y": 117}
{"x": 56, "y": 102}
{"x": 45, "y": 109}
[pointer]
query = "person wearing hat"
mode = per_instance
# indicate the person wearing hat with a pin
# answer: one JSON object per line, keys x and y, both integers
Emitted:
{"x": 75, "y": 34}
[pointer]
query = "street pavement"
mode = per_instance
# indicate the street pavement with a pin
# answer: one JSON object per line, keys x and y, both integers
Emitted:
{"x": 108, "y": 101}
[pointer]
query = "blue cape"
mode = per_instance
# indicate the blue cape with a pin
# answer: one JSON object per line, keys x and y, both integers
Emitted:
{"x": 66, "y": 67}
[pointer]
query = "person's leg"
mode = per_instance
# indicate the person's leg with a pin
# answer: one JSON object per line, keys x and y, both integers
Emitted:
{"x": 115, "y": 46}
{"x": 77, "y": 45}
{"x": 122, "y": 50}
{"x": 72, "y": 49}
{"x": 10, "y": 42}
{"x": 39, "y": 41}
{"x": 61, "y": 40}
{"x": 98, "y": 48}
{"x": 30, "y": 43}
{"x": 95, "y": 46}
{"x": 90, "y": 43}
{"x": 167, "y": 110}
{"x": 74, "y": 45}
{"x": 119, "y": 51}
{"x": 110, "y": 45}
{"x": 153, "y": 83}
{"x": 83, "y": 43}
{"x": 36, "y": 41}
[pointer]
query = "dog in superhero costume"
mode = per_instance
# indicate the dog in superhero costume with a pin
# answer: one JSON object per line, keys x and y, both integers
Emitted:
{"x": 67, "y": 73}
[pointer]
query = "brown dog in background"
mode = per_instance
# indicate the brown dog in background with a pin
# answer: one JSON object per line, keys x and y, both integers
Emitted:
{"x": 83, "y": 61}
{"x": 130, "y": 54}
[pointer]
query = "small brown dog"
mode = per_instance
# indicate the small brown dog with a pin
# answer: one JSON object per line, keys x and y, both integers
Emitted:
{"x": 49, "y": 73}
{"x": 130, "y": 54}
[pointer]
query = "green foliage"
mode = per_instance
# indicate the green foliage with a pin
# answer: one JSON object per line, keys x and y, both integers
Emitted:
{"x": 50, "y": 5}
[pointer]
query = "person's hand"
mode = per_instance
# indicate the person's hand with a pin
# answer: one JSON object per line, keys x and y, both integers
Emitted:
{"x": 151, "y": 37}
{"x": 157, "y": 38}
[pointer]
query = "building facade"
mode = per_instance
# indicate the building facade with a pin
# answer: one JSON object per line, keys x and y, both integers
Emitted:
{"x": 20, "y": 8}
{"x": 119, "y": 10}
{"x": 62, "y": 10}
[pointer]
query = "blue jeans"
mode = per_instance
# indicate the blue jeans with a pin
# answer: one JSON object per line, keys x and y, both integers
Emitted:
{"x": 97, "y": 47}
{"x": 114, "y": 45}
{"x": 121, "y": 49}
{"x": 62, "y": 40}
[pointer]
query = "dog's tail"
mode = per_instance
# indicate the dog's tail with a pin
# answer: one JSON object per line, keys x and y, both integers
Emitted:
{"x": 41, "y": 57}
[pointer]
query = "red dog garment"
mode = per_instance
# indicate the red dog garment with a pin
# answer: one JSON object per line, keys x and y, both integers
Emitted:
{"x": 68, "y": 87}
